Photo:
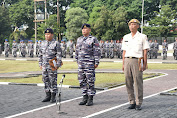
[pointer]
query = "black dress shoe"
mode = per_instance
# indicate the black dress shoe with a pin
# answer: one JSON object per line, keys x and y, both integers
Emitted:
{"x": 132, "y": 106}
{"x": 138, "y": 107}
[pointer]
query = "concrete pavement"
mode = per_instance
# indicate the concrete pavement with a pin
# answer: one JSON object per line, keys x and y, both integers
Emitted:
{"x": 112, "y": 103}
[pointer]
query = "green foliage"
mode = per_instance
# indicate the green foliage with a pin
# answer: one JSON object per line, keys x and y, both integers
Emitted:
{"x": 50, "y": 23}
{"x": 4, "y": 24}
{"x": 109, "y": 24}
{"x": 22, "y": 12}
{"x": 163, "y": 22}
{"x": 75, "y": 17}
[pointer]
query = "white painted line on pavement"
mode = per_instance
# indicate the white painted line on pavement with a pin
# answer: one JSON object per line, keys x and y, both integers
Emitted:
{"x": 117, "y": 61}
{"x": 68, "y": 60}
{"x": 154, "y": 62}
{"x": 64, "y": 86}
{"x": 112, "y": 108}
{"x": 2, "y": 59}
{"x": 40, "y": 108}
{"x": 21, "y": 59}
{"x": 73, "y": 100}
{"x": 4, "y": 83}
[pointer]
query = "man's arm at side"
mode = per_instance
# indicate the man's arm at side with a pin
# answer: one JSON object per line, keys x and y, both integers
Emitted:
{"x": 123, "y": 58}
{"x": 145, "y": 59}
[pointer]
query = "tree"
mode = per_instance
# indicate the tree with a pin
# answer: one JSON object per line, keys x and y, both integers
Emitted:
{"x": 22, "y": 12}
{"x": 103, "y": 25}
{"x": 94, "y": 15}
{"x": 163, "y": 22}
{"x": 5, "y": 24}
{"x": 75, "y": 17}
{"x": 50, "y": 23}
{"x": 119, "y": 23}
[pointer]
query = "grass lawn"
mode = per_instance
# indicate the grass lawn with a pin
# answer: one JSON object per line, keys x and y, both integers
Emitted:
{"x": 102, "y": 79}
{"x": 22, "y": 66}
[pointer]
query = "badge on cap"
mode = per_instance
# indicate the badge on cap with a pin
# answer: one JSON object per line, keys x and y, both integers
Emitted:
{"x": 47, "y": 31}
{"x": 85, "y": 26}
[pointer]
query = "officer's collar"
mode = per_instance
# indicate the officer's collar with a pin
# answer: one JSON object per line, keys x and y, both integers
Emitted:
{"x": 51, "y": 40}
{"x": 88, "y": 36}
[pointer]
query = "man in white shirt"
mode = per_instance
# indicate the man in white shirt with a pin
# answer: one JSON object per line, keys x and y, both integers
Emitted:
{"x": 135, "y": 46}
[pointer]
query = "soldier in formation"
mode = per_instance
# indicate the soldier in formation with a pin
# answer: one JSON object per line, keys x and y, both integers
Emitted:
{"x": 14, "y": 48}
{"x": 6, "y": 48}
{"x": 64, "y": 48}
{"x": 112, "y": 47}
{"x": 23, "y": 48}
{"x": 164, "y": 49}
{"x": 102, "y": 48}
{"x": 156, "y": 48}
{"x": 87, "y": 56}
{"x": 151, "y": 49}
{"x": 106, "y": 47}
{"x": 37, "y": 48}
{"x": 71, "y": 48}
{"x": 175, "y": 49}
{"x": 31, "y": 48}
{"x": 50, "y": 49}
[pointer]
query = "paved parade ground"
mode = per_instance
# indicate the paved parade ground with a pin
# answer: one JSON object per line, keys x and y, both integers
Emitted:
{"x": 25, "y": 101}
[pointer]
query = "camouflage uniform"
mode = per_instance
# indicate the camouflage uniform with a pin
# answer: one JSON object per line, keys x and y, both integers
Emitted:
{"x": 14, "y": 49}
{"x": 64, "y": 50}
{"x": 23, "y": 49}
{"x": 37, "y": 48}
{"x": 106, "y": 46}
{"x": 31, "y": 49}
{"x": 156, "y": 48}
{"x": 175, "y": 49}
{"x": 49, "y": 50}
{"x": 102, "y": 49}
{"x": 87, "y": 55}
{"x": 71, "y": 49}
{"x": 111, "y": 45}
{"x": 120, "y": 50}
{"x": 164, "y": 49}
{"x": 6, "y": 49}
{"x": 151, "y": 49}
{"x": 19, "y": 48}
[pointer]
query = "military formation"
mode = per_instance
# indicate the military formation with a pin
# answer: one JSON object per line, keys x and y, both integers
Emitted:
{"x": 109, "y": 49}
{"x": 30, "y": 49}
{"x": 153, "y": 50}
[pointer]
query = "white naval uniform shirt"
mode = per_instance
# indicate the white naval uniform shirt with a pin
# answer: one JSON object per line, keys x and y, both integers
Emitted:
{"x": 134, "y": 46}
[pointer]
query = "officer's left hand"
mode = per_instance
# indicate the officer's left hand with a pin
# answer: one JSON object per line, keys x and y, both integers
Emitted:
{"x": 144, "y": 67}
{"x": 96, "y": 66}
{"x": 56, "y": 68}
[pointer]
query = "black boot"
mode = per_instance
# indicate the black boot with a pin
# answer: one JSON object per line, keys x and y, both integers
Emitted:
{"x": 47, "y": 98}
{"x": 53, "y": 98}
{"x": 90, "y": 101}
{"x": 84, "y": 100}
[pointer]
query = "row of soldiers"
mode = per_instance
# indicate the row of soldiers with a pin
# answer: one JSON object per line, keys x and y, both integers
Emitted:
{"x": 21, "y": 47}
{"x": 110, "y": 49}
{"x": 153, "y": 49}
{"x": 29, "y": 48}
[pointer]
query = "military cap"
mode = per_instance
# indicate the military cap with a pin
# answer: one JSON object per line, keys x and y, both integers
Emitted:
{"x": 85, "y": 25}
{"x": 134, "y": 21}
{"x": 49, "y": 30}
